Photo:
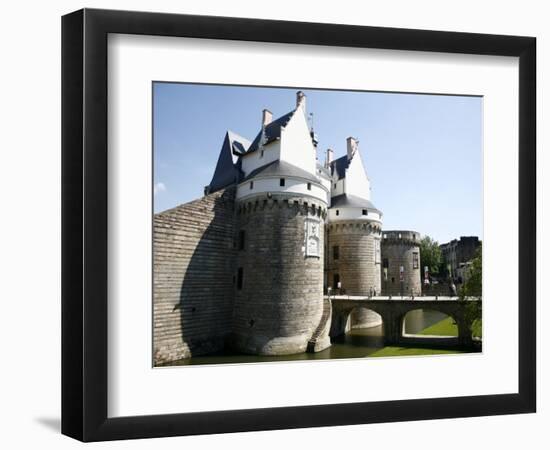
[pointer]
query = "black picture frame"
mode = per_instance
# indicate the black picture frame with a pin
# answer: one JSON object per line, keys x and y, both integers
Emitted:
{"x": 84, "y": 224}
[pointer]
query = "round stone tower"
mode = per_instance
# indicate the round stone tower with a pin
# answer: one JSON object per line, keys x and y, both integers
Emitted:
{"x": 279, "y": 306}
{"x": 401, "y": 272}
{"x": 281, "y": 202}
{"x": 353, "y": 252}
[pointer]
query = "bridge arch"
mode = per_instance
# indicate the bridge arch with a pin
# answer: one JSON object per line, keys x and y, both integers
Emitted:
{"x": 342, "y": 317}
{"x": 363, "y": 317}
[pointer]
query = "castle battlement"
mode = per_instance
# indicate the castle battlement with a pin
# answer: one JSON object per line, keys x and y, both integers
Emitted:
{"x": 397, "y": 237}
{"x": 299, "y": 204}
{"x": 359, "y": 226}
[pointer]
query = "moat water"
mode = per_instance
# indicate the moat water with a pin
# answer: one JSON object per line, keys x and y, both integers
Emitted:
{"x": 357, "y": 343}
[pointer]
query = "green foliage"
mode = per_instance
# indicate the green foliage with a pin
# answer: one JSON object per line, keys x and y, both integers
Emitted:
{"x": 476, "y": 328}
{"x": 430, "y": 255}
{"x": 472, "y": 288}
{"x": 472, "y": 285}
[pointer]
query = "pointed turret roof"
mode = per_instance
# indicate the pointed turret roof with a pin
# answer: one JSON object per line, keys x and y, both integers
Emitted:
{"x": 228, "y": 166}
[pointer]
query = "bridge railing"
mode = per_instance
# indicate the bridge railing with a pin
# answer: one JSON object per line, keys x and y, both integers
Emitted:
{"x": 400, "y": 298}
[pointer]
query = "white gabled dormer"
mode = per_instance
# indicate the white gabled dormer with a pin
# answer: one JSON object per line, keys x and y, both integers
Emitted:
{"x": 282, "y": 158}
{"x": 296, "y": 144}
{"x": 356, "y": 179}
{"x": 350, "y": 190}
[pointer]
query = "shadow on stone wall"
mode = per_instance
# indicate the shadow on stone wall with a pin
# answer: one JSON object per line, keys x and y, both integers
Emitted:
{"x": 206, "y": 293}
{"x": 193, "y": 277}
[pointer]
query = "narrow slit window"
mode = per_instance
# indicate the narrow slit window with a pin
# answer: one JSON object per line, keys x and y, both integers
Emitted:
{"x": 309, "y": 186}
{"x": 240, "y": 278}
{"x": 282, "y": 182}
{"x": 252, "y": 185}
{"x": 336, "y": 252}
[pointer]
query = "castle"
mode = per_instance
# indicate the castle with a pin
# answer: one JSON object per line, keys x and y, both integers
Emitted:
{"x": 249, "y": 265}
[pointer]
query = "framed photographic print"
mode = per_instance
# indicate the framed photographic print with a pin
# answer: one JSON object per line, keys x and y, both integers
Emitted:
{"x": 273, "y": 224}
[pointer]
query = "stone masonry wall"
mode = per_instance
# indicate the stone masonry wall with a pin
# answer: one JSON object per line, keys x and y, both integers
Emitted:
{"x": 356, "y": 267}
{"x": 398, "y": 249}
{"x": 193, "y": 258}
{"x": 280, "y": 303}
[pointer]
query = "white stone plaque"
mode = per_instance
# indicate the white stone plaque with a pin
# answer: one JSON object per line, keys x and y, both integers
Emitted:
{"x": 313, "y": 242}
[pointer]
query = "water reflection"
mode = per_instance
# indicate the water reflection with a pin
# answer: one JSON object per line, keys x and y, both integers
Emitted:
{"x": 357, "y": 343}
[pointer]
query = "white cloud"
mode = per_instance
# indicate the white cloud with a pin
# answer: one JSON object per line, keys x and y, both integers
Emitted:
{"x": 159, "y": 187}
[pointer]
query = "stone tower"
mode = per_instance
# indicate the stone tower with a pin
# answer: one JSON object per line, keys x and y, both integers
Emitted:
{"x": 353, "y": 233}
{"x": 281, "y": 206}
{"x": 401, "y": 271}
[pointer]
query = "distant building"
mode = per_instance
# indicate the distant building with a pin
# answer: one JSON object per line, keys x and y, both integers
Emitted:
{"x": 457, "y": 252}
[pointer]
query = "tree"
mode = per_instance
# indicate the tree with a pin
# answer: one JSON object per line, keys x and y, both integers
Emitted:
{"x": 430, "y": 255}
{"x": 472, "y": 288}
{"x": 472, "y": 285}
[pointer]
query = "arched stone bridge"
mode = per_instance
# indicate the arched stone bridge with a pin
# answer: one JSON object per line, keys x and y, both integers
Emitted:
{"x": 393, "y": 311}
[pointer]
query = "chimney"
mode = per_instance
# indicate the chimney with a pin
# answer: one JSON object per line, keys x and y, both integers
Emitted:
{"x": 352, "y": 145}
{"x": 301, "y": 100}
{"x": 329, "y": 157}
{"x": 267, "y": 117}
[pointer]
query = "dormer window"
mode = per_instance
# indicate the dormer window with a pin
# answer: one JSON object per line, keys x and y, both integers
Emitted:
{"x": 281, "y": 182}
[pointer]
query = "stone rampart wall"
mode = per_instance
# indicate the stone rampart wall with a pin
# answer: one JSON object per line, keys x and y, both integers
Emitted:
{"x": 193, "y": 282}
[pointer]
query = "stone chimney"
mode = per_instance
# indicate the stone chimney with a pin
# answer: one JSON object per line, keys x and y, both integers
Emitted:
{"x": 352, "y": 145}
{"x": 267, "y": 117}
{"x": 329, "y": 157}
{"x": 301, "y": 100}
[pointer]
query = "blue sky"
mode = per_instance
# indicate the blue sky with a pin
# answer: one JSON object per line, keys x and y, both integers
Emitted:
{"x": 423, "y": 153}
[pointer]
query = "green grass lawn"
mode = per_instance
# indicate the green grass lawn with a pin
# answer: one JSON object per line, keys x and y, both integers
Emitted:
{"x": 405, "y": 351}
{"x": 445, "y": 327}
